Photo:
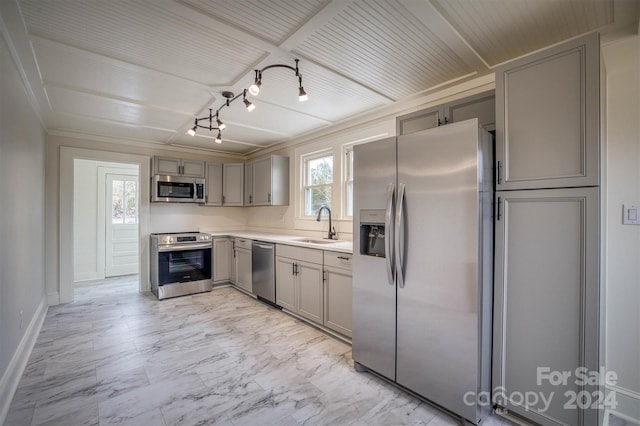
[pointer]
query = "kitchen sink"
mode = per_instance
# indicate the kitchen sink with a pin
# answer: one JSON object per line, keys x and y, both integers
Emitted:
{"x": 312, "y": 241}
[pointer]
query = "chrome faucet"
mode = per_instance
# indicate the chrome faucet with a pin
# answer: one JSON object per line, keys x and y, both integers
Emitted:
{"x": 332, "y": 231}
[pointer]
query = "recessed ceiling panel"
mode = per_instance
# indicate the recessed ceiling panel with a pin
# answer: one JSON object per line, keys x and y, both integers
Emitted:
{"x": 88, "y": 72}
{"x": 272, "y": 20}
{"x": 143, "y": 33}
{"x": 268, "y": 118}
{"x": 205, "y": 140}
{"x": 382, "y": 45}
{"x": 92, "y": 126}
{"x": 502, "y": 30}
{"x": 89, "y": 105}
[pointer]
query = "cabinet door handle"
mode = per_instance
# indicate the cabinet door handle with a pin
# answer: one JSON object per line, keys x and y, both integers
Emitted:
{"x": 223, "y": 199}
{"x": 499, "y": 172}
{"x": 324, "y": 275}
{"x": 344, "y": 258}
{"x": 498, "y": 208}
{"x": 293, "y": 269}
{"x": 268, "y": 197}
{"x": 250, "y": 199}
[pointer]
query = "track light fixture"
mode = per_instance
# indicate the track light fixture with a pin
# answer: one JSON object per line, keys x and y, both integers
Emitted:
{"x": 253, "y": 90}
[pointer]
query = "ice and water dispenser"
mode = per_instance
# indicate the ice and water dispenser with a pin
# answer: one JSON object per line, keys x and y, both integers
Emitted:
{"x": 372, "y": 232}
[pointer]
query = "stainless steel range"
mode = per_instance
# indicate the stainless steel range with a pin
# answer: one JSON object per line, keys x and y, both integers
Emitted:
{"x": 180, "y": 264}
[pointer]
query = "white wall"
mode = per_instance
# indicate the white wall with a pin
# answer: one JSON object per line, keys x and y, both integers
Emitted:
{"x": 85, "y": 225}
{"x": 622, "y": 60}
{"x": 22, "y": 226}
{"x": 163, "y": 217}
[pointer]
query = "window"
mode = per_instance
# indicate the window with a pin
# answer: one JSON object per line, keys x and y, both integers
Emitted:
{"x": 124, "y": 202}
{"x": 318, "y": 178}
{"x": 348, "y": 182}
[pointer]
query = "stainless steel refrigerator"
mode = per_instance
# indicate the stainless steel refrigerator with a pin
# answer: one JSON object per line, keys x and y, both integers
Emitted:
{"x": 422, "y": 264}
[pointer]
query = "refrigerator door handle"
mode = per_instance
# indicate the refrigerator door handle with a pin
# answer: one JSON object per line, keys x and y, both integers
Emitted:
{"x": 399, "y": 236}
{"x": 388, "y": 226}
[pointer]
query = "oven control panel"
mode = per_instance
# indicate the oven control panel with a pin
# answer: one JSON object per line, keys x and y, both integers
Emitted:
{"x": 165, "y": 239}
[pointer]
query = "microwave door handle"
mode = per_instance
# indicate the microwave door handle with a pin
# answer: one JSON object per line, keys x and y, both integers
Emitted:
{"x": 388, "y": 240}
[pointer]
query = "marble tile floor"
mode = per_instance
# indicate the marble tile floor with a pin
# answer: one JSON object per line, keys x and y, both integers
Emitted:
{"x": 218, "y": 358}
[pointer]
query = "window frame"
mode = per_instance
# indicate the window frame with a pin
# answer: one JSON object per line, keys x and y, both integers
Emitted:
{"x": 305, "y": 159}
{"x": 347, "y": 180}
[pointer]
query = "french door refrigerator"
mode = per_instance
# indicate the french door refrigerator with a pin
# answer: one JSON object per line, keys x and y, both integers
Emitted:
{"x": 422, "y": 264}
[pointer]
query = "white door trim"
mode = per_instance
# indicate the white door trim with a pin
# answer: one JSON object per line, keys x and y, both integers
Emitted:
{"x": 65, "y": 225}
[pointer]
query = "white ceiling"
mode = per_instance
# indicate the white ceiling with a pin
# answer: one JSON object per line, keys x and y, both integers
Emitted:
{"x": 143, "y": 69}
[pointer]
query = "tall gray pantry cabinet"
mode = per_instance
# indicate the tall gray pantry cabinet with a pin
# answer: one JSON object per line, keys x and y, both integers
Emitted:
{"x": 546, "y": 288}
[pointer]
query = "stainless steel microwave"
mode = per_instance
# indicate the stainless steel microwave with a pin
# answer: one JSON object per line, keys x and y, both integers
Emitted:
{"x": 177, "y": 189}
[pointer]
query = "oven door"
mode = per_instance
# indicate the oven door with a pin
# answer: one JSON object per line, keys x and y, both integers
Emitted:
{"x": 180, "y": 264}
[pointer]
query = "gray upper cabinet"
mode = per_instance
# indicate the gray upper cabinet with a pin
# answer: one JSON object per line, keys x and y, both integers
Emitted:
{"x": 271, "y": 181}
{"x": 225, "y": 184}
{"x": 547, "y": 118}
{"x": 178, "y": 167}
{"x": 214, "y": 184}
{"x": 233, "y": 184}
{"x": 420, "y": 120}
{"x": 248, "y": 183}
{"x": 480, "y": 106}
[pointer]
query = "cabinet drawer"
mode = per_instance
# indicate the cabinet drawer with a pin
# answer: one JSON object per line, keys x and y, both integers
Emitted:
{"x": 299, "y": 253}
{"x": 338, "y": 260}
{"x": 243, "y": 243}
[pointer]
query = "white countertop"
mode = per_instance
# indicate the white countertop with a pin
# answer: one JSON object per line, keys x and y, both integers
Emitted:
{"x": 293, "y": 240}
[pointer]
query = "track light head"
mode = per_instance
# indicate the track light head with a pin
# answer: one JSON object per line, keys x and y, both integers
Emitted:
{"x": 247, "y": 102}
{"x": 221, "y": 125}
{"x": 254, "y": 89}
{"x": 302, "y": 95}
{"x": 218, "y": 138}
{"x": 192, "y": 132}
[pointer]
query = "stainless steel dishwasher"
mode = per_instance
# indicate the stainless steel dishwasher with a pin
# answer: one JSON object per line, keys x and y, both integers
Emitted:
{"x": 264, "y": 274}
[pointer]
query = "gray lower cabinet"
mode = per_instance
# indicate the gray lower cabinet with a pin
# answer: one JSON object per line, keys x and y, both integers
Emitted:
{"x": 337, "y": 292}
{"x": 299, "y": 279}
{"x": 547, "y": 118}
{"x": 546, "y": 299}
{"x": 244, "y": 273}
{"x": 222, "y": 259}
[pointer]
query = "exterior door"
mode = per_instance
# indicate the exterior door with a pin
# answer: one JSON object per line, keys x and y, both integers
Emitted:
{"x": 437, "y": 328}
{"x": 121, "y": 245}
{"x": 374, "y": 292}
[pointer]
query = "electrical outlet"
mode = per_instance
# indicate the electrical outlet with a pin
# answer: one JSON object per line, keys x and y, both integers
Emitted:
{"x": 21, "y": 314}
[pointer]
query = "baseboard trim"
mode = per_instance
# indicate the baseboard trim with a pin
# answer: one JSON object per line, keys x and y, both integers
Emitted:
{"x": 11, "y": 377}
{"x": 628, "y": 407}
{"x": 53, "y": 299}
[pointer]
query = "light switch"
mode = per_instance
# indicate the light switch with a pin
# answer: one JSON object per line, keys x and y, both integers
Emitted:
{"x": 631, "y": 214}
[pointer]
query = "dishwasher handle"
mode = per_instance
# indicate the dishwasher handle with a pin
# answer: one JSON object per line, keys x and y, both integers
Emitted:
{"x": 263, "y": 246}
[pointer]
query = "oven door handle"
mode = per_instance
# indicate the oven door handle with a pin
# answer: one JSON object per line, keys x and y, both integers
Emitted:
{"x": 184, "y": 247}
